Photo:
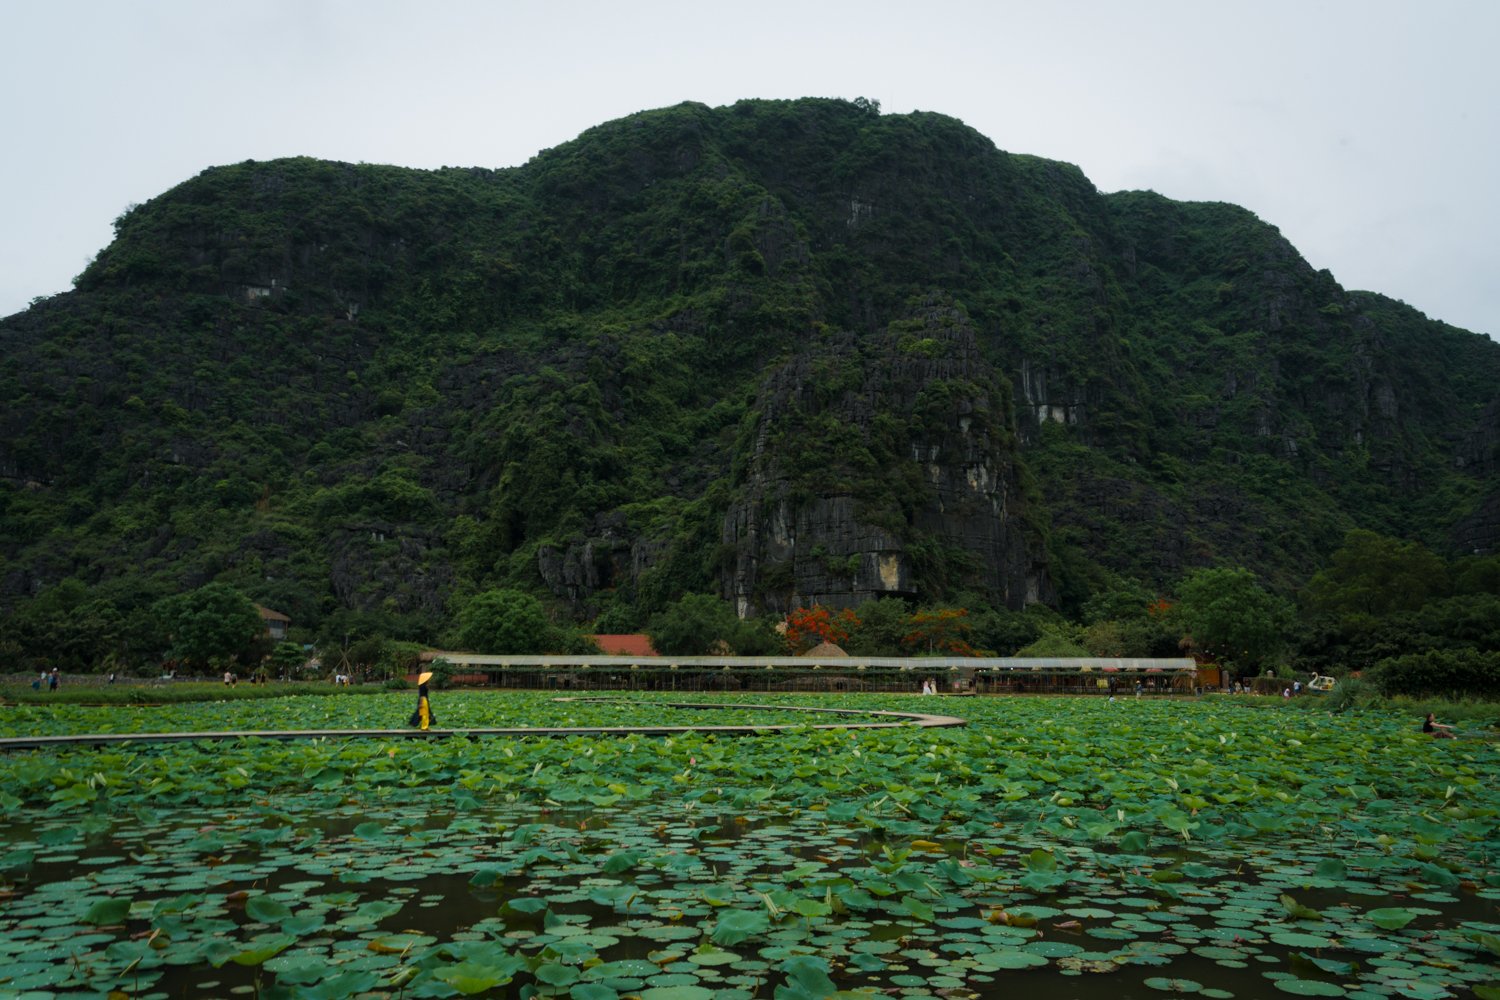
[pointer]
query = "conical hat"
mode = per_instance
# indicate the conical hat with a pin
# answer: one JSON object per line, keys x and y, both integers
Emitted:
{"x": 424, "y": 677}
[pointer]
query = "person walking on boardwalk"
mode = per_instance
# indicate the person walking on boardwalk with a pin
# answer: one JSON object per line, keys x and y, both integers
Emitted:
{"x": 422, "y": 717}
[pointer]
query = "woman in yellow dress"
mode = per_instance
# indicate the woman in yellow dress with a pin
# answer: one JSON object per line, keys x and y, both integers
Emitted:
{"x": 422, "y": 717}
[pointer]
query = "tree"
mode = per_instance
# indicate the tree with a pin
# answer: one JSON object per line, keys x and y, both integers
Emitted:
{"x": 71, "y": 626}
{"x": 504, "y": 622}
{"x": 693, "y": 626}
{"x": 941, "y": 631}
{"x": 1376, "y": 575}
{"x": 210, "y": 625}
{"x": 1105, "y": 637}
{"x": 363, "y": 654}
{"x": 883, "y": 623}
{"x": 1232, "y": 618}
{"x": 1054, "y": 644}
{"x": 1126, "y": 601}
{"x": 1006, "y": 631}
{"x": 399, "y": 659}
{"x": 807, "y": 627}
{"x": 287, "y": 659}
{"x": 1441, "y": 673}
{"x": 1477, "y": 575}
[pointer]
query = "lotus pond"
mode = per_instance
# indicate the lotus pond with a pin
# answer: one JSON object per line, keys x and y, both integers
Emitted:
{"x": 454, "y": 710}
{"x": 1061, "y": 847}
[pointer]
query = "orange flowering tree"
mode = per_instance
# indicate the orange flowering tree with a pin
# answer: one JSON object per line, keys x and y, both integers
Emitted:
{"x": 941, "y": 630}
{"x": 806, "y": 627}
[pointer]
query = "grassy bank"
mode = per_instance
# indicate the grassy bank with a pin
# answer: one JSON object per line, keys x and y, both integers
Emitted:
{"x": 171, "y": 692}
{"x": 1466, "y": 713}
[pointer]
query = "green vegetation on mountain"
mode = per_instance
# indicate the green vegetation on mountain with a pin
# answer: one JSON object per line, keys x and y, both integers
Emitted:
{"x": 780, "y": 352}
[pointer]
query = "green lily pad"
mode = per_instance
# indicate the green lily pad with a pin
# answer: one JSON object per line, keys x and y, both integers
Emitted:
{"x": 1009, "y": 958}
{"x": 1392, "y": 918}
{"x": 263, "y": 947}
{"x": 108, "y": 911}
{"x": 470, "y": 977}
{"x": 264, "y": 909}
{"x": 1309, "y": 988}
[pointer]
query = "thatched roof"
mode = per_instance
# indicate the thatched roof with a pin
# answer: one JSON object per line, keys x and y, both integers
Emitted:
{"x": 823, "y": 650}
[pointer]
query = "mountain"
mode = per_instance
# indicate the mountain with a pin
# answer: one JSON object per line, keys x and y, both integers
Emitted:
{"x": 781, "y": 351}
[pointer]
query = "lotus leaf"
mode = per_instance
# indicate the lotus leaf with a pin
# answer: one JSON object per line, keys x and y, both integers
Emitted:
{"x": 470, "y": 977}
{"x": 108, "y": 911}
{"x": 795, "y": 826}
{"x": 593, "y": 991}
{"x": 263, "y": 947}
{"x": 266, "y": 910}
{"x": 1392, "y": 918}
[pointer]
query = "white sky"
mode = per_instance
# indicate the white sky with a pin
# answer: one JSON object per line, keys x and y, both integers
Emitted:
{"x": 1367, "y": 130}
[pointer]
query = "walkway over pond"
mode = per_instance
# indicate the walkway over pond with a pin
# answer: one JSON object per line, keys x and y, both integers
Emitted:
{"x": 965, "y": 674}
{"x": 890, "y": 720}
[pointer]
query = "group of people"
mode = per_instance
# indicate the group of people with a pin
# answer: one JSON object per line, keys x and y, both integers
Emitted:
{"x": 49, "y": 680}
{"x": 231, "y": 679}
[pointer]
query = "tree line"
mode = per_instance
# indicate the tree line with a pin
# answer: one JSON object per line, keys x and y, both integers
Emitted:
{"x": 1419, "y": 623}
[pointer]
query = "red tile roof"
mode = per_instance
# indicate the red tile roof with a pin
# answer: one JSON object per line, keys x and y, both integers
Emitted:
{"x": 625, "y": 645}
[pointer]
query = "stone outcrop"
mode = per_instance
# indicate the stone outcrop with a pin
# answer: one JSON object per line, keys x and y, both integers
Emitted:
{"x": 1479, "y": 532}
{"x": 606, "y": 557}
{"x": 908, "y": 486}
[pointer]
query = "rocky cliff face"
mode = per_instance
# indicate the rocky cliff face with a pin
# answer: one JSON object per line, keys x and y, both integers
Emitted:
{"x": 919, "y": 503}
{"x": 705, "y": 350}
{"x": 1479, "y": 533}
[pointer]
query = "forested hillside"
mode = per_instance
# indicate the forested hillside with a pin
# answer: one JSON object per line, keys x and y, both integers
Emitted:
{"x": 783, "y": 352}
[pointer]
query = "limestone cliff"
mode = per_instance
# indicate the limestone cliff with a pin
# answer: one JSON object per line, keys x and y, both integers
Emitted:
{"x": 883, "y": 466}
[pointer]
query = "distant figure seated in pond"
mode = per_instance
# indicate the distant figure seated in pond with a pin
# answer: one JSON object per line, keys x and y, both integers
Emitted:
{"x": 1436, "y": 728}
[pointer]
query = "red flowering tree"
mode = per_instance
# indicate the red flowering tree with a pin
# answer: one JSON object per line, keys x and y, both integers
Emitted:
{"x": 941, "y": 630}
{"x": 807, "y": 627}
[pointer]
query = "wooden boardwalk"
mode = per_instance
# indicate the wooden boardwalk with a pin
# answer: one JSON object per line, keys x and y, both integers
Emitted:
{"x": 897, "y": 720}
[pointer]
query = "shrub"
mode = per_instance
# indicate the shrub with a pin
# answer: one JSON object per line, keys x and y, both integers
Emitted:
{"x": 1348, "y": 693}
{"x": 1053, "y": 644}
{"x": 1450, "y": 673}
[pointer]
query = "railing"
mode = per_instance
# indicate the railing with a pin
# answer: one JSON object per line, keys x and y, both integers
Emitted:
{"x": 951, "y": 675}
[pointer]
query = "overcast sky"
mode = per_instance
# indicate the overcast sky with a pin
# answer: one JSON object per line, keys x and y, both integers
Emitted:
{"x": 1366, "y": 130}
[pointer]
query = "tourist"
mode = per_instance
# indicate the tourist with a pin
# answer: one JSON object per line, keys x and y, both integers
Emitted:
{"x": 1436, "y": 729}
{"x": 52, "y": 680}
{"x": 422, "y": 717}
